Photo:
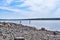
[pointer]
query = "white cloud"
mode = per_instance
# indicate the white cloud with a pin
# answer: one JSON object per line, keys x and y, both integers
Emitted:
{"x": 57, "y": 13}
{"x": 42, "y": 4}
{"x": 8, "y": 1}
{"x": 41, "y": 7}
{"x": 11, "y": 9}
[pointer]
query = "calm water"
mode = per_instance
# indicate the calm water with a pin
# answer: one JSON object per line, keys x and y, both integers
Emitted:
{"x": 48, "y": 24}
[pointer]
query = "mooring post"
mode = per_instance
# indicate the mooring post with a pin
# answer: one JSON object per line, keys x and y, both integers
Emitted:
{"x": 29, "y": 21}
{"x": 20, "y": 21}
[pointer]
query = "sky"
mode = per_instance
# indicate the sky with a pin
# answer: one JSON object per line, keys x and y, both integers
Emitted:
{"x": 18, "y": 9}
{"x": 29, "y": 9}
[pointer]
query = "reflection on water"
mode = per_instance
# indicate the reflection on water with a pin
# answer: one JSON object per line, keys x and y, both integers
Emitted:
{"x": 48, "y": 24}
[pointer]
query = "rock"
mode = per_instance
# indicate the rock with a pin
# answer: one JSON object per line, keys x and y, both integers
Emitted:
{"x": 9, "y": 31}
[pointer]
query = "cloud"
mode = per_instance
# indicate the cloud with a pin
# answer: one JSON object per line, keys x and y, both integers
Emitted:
{"x": 36, "y": 8}
{"x": 57, "y": 13}
{"x": 32, "y": 8}
{"x": 41, "y": 8}
{"x": 11, "y": 9}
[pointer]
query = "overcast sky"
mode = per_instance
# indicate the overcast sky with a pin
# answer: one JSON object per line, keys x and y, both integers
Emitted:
{"x": 11, "y": 9}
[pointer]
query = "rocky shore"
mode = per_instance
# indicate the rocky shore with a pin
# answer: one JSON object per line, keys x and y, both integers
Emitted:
{"x": 9, "y": 31}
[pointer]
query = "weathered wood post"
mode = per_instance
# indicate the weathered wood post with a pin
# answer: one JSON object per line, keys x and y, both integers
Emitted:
{"x": 20, "y": 21}
{"x": 29, "y": 21}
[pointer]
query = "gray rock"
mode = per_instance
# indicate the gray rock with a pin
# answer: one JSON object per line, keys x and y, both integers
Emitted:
{"x": 9, "y": 31}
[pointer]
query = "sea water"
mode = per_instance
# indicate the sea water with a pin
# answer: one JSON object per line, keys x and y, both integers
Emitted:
{"x": 48, "y": 24}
